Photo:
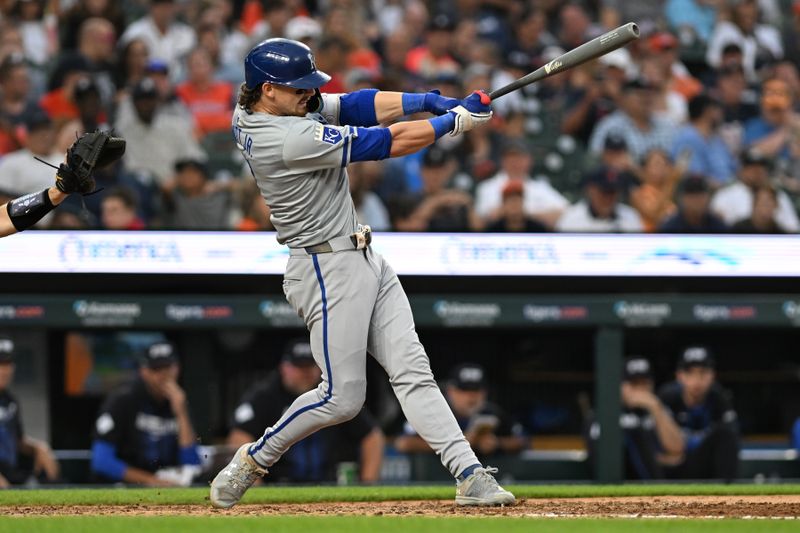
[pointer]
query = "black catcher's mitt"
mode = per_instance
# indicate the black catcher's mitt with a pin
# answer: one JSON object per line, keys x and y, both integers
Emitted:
{"x": 89, "y": 152}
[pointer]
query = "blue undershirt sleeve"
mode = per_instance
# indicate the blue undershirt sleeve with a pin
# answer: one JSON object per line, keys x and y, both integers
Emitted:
{"x": 358, "y": 108}
{"x": 189, "y": 455}
{"x": 371, "y": 144}
{"x": 106, "y": 462}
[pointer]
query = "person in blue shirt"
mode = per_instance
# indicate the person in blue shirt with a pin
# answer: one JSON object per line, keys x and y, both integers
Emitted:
{"x": 704, "y": 411}
{"x": 143, "y": 434}
{"x": 20, "y": 455}
{"x": 700, "y": 141}
{"x": 776, "y": 132}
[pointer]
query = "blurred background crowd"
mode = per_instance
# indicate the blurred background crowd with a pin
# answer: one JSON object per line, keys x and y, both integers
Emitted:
{"x": 692, "y": 128}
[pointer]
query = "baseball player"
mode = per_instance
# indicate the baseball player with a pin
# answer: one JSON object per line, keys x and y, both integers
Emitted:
{"x": 298, "y": 143}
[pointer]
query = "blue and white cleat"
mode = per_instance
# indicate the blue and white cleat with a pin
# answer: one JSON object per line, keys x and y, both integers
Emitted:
{"x": 233, "y": 481}
{"x": 481, "y": 488}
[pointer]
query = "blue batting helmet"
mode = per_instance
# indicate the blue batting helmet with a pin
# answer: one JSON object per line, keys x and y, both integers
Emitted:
{"x": 283, "y": 62}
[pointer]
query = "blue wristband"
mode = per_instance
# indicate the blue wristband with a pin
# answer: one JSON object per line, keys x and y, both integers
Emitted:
{"x": 413, "y": 103}
{"x": 443, "y": 124}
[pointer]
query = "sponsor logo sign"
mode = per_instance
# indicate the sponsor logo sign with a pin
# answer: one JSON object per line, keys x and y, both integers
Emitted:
{"x": 454, "y": 313}
{"x": 279, "y": 314}
{"x": 94, "y": 313}
{"x": 21, "y": 312}
{"x": 717, "y": 313}
{"x": 554, "y": 313}
{"x": 183, "y": 313}
{"x": 791, "y": 309}
{"x": 642, "y": 313}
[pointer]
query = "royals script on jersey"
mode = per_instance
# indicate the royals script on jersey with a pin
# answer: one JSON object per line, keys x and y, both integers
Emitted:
{"x": 299, "y": 164}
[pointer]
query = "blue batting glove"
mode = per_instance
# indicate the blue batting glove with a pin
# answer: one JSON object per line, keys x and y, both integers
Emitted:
{"x": 477, "y": 102}
{"x": 439, "y": 105}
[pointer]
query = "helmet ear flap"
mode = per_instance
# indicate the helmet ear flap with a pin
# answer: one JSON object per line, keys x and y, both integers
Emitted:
{"x": 315, "y": 102}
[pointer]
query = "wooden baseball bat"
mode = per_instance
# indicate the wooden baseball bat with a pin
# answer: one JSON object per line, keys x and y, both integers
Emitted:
{"x": 598, "y": 46}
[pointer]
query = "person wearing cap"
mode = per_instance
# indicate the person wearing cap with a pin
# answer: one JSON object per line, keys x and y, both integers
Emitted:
{"x": 143, "y": 433}
{"x": 648, "y": 429}
{"x": 20, "y": 455}
{"x": 601, "y": 210}
{"x": 735, "y": 202}
{"x": 760, "y": 43}
{"x": 441, "y": 205}
{"x": 16, "y": 101}
{"x": 512, "y": 213}
{"x": 193, "y": 201}
{"x": 635, "y": 121}
{"x": 704, "y": 411}
{"x": 166, "y": 38}
{"x": 434, "y": 55}
{"x": 700, "y": 141}
{"x": 155, "y": 140}
{"x": 694, "y": 215}
{"x": 541, "y": 200}
{"x": 20, "y": 172}
{"x": 489, "y": 430}
{"x": 91, "y": 114}
{"x": 315, "y": 458}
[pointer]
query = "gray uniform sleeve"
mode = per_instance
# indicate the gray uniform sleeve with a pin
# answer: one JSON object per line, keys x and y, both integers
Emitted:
{"x": 311, "y": 146}
{"x": 330, "y": 108}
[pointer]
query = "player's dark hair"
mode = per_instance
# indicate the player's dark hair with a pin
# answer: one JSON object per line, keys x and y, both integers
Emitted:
{"x": 249, "y": 97}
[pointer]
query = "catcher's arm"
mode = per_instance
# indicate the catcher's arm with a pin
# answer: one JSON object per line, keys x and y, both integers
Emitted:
{"x": 25, "y": 211}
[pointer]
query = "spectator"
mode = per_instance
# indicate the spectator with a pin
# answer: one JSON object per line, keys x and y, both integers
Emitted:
{"x": 791, "y": 35}
{"x": 663, "y": 48}
{"x": 315, "y": 458}
{"x": 371, "y": 211}
{"x": 132, "y": 64}
{"x": 118, "y": 211}
{"x": 694, "y": 215}
{"x": 739, "y": 105}
{"x": 704, "y": 411}
{"x": 439, "y": 207}
{"x": 91, "y": 115}
{"x": 94, "y": 56}
{"x": 652, "y": 196}
{"x": 276, "y": 16}
{"x": 615, "y": 154}
{"x": 15, "y": 102}
{"x": 601, "y": 210}
{"x": 489, "y": 430}
{"x": 74, "y": 17}
{"x": 735, "y": 202}
{"x": 542, "y": 201}
{"x": 434, "y": 57}
{"x": 20, "y": 172}
{"x": 210, "y": 39}
{"x": 512, "y": 212}
{"x": 776, "y": 133}
{"x": 58, "y": 102}
{"x": 576, "y": 26}
{"x": 155, "y": 140}
{"x": 762, "y": 218}
{"x": 667, "y": 102}
{"x": 20, "y": 455}
{"x": 700, "y": 141}
{"x": 636, "y": 122}
{"x": 255, "y": 211}
{"x": 692, "y": 20}
{"x": 209, "y": 101}
{"x": 143, "y": 434}
{"x": 590, "y": 98}
{"x": 38, "y": 40}
{"x": 760, "y": 43}
{"x": 167, "y": 39}
{"x": 332, "y": 59}
{"x": 616, "y": 12}
{"x": 648, "y": 429}
{"x": 530, "y": 32}
{"x": 195, "y": 203}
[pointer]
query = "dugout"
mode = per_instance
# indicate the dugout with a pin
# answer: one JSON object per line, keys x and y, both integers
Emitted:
{"x": 552, "y": 341}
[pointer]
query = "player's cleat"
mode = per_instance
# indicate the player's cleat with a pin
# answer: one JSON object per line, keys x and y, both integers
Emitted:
{"x": 233, "y": 481}
{"x": 481, "y": 488}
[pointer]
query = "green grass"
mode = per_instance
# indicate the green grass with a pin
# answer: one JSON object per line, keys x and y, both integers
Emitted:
{"x": 266, "y": 495}
{"x": 367, "y": 524}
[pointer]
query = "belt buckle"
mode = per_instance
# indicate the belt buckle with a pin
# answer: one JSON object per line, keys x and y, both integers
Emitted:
{"x": 362, "y": 238}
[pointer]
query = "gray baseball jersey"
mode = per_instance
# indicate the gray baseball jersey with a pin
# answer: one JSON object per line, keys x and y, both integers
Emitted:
{"x": 351, "y": 301}
{"x": 299, "y": 164}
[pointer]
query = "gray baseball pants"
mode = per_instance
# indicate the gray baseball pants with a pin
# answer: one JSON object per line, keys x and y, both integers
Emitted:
{"x": 353, "y": 303}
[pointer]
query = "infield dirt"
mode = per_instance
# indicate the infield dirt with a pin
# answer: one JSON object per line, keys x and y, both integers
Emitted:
{"x": 784, "y": 506}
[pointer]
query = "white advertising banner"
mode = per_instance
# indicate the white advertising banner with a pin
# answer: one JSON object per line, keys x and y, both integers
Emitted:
{"x": 428, "y": 254}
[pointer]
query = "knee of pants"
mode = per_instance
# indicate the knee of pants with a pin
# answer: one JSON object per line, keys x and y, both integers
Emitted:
{"x": 347, "y": 403}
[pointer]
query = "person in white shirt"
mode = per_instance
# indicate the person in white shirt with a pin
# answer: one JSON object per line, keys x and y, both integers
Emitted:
{"x": 542, "y": 201}
{"x": 601, "y": 211}
{"x": 734, "y": 203}
{"x": 166, "y": 39}
{"x": 20, "y": 173}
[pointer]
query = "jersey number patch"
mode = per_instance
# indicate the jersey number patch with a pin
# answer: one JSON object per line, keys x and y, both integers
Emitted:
{"x": 328, "y": 134}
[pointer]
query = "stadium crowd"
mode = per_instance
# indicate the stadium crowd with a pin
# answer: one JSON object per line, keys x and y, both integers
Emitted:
{"x": 692, "y": 128}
